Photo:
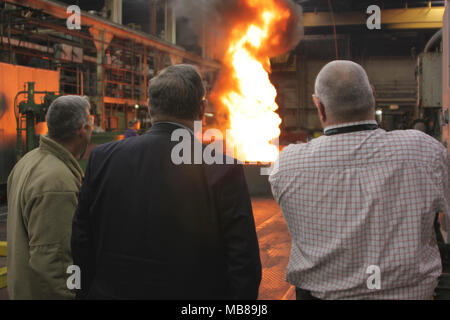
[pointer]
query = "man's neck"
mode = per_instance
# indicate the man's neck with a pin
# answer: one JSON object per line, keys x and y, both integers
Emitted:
{"x": 187, "y": 123}
{"x": 334, "y": 123}
{"x": 71, "y": 148}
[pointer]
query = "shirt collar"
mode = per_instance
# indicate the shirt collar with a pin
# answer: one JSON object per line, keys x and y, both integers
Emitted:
{"x": 348, "y": 124}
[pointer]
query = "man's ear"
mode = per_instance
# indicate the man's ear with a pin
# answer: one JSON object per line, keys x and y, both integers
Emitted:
{"x": 82, "y": 130}
{"x": 320, "y": 109}
{"x": 374, "y": 93}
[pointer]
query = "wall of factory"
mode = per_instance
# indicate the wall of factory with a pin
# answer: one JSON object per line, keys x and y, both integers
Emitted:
{"x": 390, "y": 69}
{"x": 12, "y": 80}
{"x": 393, "y": 78}
{"x": 395, "y": 85}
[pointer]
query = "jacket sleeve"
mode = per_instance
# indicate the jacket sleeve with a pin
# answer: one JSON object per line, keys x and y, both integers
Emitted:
{"x": 239, "y": 235}
{"x": 82, "y": 249}
{"x": 50, "y": 247}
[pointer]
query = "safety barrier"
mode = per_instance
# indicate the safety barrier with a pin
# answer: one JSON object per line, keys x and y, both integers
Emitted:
{"x": 3, "y": 270}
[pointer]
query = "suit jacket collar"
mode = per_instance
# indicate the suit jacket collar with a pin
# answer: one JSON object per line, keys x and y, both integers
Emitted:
{"x": 167, "y": 127}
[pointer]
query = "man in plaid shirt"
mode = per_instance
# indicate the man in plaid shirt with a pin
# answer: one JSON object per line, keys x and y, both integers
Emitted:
{"x": 360, "y": 202}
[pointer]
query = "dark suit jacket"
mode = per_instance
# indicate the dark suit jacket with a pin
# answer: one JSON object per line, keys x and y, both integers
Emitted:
{"x": 146, "y": 228}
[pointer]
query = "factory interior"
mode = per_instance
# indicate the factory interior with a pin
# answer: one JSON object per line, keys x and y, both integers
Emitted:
{"x": 119, "y": 45}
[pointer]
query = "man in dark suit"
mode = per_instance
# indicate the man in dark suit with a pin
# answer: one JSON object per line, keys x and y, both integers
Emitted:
{"x": 147, "y": 228}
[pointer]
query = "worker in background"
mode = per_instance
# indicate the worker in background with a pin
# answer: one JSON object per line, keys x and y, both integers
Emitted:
{"x": 421, "y": 125}
{"x": 42, "y": 198}
{"x": 148, "y": 228}
{"x": 360, "y": 202}
{"x": 132, "y": 131}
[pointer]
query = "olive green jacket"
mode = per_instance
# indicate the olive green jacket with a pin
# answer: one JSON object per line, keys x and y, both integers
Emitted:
{"x": 42, "y": 197}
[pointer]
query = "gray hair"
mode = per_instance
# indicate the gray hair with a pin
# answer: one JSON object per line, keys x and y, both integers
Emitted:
{"x": 176, "y": 91}
{"x": 66, "y": 115}
{"x": 344, "y": 90}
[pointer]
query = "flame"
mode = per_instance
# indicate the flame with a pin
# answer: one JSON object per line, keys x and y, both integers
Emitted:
{"x": 246, "y": 90}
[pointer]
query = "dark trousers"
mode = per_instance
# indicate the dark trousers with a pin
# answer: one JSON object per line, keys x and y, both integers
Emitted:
{"x": 302, "y": 294}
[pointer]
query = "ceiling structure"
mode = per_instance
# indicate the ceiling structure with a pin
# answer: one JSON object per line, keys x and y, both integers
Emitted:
{"x": 358, "y": 5}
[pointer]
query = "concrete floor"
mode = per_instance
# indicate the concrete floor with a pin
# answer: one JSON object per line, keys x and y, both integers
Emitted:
{"x": 3, "y": 292}
{"x": 274, "y": 243}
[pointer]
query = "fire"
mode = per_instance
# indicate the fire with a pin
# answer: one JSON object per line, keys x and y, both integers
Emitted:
{"x": 246, "y": 90}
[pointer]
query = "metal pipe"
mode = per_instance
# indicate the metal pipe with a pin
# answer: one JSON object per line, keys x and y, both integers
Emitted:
{"x": 434, "y": 39}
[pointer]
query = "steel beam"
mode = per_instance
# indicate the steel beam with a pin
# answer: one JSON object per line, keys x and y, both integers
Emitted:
{"x": 60, "y": 11}
{"x": 407, "y": 18}
{"x": 123, "y": 101}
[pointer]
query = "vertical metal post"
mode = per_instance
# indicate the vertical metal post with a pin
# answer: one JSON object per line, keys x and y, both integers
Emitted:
{"x": 170, "y": 24}
{"x": 144, "y": 98}
{"x": 100, "y": 79}
{"x": 78, "y": 81}
{"x": 132, "y": 71}
{"x": 153, "y": 17}
{"x": 30, "y": 121}
{"x": 82, "y": 83}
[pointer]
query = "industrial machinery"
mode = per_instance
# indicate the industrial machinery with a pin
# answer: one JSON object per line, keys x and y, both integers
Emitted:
{"x": 30, "y": 123}
{"x": 29, "y": 113}
{"x": 445, "y": 119}
{"x": 429, "y": 71}
{"x": 434, "y": 103}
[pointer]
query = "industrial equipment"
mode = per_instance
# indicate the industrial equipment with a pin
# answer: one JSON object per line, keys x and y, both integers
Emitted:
{"x": 439, "y": 78}
{"x": 445, "y": 119}
{"x": 30, "y": 113}
{"x": 430, "y": 91}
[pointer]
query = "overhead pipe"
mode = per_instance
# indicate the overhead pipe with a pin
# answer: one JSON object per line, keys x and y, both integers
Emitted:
{"x": 433, "y": 41}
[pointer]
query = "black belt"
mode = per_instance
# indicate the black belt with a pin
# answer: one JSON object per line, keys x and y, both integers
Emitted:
{"x": 302, "y": 294}
{"x": 358, "y": 127}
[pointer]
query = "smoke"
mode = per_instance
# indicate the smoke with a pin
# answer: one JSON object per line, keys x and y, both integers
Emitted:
{"x": 219, "y": 22}
{"x": 212, "y": 11}
{"x": 213, "y": 20}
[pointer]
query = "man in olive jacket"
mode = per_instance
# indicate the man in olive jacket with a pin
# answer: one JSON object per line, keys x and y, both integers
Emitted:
{"x": 42, "y": 197}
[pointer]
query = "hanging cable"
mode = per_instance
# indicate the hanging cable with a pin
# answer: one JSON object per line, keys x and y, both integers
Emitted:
{"x": 334, "y": 28}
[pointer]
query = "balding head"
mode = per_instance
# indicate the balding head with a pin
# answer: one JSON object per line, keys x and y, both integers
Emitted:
{"x": 343, "y": 89}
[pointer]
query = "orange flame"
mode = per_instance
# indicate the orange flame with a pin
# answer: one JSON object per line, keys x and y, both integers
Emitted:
{"x": 245, "y": 88}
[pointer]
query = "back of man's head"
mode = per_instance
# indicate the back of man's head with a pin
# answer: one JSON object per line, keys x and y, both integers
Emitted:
{"x": 344, "y": 90}
{"x": 176, "y": 92}
{"x": 65, "y": 116}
